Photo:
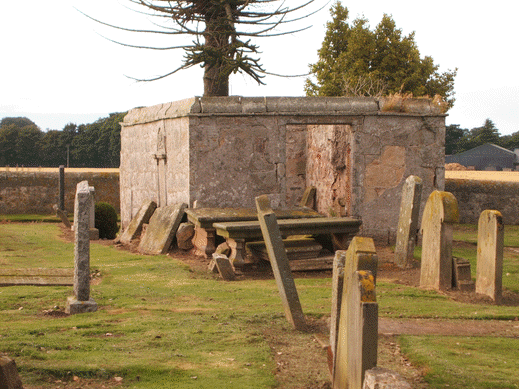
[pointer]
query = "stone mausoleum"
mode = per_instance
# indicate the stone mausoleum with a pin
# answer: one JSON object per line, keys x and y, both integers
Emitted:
{"x": 225, "y": 151}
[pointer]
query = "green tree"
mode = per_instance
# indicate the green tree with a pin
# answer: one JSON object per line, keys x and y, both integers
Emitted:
{"x": 221, "y": 31}
{"x": 355, "y": 61}
{"x": 19, "y": 139}
{"x": 454, "y": 138}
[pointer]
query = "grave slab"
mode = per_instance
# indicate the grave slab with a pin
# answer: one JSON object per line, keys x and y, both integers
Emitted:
{"x": 62, "y": 216}
{"x": 224, "y": 266}
{"x": 379, "y": 378}
{"x": 135, "y": 227}
{"x": 408, "y": 221}
{"x": 489, "y": 271}
{"x": 279, "y": 262}
{"x": 440, "y": 213}
{"x": 161, "y": 229}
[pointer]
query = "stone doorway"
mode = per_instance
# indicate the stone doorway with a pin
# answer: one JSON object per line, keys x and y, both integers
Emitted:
{"x": 320, "y": 155}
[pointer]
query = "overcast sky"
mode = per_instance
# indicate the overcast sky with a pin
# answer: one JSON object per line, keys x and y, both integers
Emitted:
{"x": 56, "y": 68}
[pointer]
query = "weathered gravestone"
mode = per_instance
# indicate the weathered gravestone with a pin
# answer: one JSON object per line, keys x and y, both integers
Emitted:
{"x": 361, "y": 255}
{"x": 358, "y": 331}
{"x": 408, "y": 221}
{"x": 135, "y": 227}
{"x": 224, "y": 266}
{"x": 279, "y": 262}
{"x": 62, "y": 216}
{"x": 9, "y": 378}
{"x": 162, "y": 229}
{"x": 185, "y": 234}
{"x": 489, "y": 272}
{"x": 441, "y": 211}
{"x": 81, "y": 301}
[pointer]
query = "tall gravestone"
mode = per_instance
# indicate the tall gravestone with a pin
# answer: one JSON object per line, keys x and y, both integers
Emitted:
{"x": 489, "y": 273}
{"x": 358, "y": 331}
{"x": 279, "y": 262}
{"x": 360, "y": 256}
{"x": 408, "y": 221}
{"x": 81, "y": 301}
{"x": 440, "y": 213}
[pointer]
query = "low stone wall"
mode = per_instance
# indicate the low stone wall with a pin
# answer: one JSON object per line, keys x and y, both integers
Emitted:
{"x": 475, "y": 196}
{"x": 36, "y": 190}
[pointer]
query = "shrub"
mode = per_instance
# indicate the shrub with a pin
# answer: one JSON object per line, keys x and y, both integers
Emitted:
{"x": 106, "y": 220}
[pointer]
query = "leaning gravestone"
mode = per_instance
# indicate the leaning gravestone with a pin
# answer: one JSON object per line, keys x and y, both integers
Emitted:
{"x": 440, "y": 213}
{"x": 279, "y": 262}
{"x": 408, "y": 221}
{"x": 135, "y": 227}
{"x": 81, "y": 301}
{"x": 361, "y": 255}
{"x": 162, "y": 229}
{"x": 489, "y": 273}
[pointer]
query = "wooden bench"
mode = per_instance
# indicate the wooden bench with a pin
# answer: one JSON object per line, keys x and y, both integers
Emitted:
{"x": 238, "y": 233}
{"x": 204, "y": 219}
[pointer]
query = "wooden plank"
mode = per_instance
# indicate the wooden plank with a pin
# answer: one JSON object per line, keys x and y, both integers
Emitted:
{"x": 56, "y": 272}
{"x": 36, "y": 281}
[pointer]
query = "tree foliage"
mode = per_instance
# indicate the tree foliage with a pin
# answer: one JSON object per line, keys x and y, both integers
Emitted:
{"x": 221, "y": 31}
{"x": 356, "y": 61}
{"x": 97, "y": 144}
{"x": 458, "y": 140}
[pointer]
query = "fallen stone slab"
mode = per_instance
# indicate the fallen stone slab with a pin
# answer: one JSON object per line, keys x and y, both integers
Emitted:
{"x": 224, "y": 266}
{"x": 135, "y": 227}
{"x": 9, "y": 378}
{"x": 161, "y": 229}
{"x": 36, "y": 277}
{"x": 62, "y": 216}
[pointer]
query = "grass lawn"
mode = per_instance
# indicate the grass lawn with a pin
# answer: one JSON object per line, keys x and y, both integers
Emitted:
{"x": 162, "y": 325}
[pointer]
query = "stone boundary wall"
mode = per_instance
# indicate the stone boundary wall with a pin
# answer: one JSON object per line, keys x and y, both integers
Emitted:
{"x": 475, "y": 196}
{"x": 36, "y": 190}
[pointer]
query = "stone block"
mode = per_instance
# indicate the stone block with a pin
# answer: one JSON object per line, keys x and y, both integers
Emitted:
{"x": 379, "y": 378}
{"x": 185, "y": 234}
{"x": 279, "y": 262}
{"x": 162, "y": 229}
{"x": 440, "y": 213}
{"x": 461, "y": 277}
{"x": 408, "y": 221}
{"x": 135, "y": 227}
{"x": 9, "y": 378}
{"x": 489, "y": 271}
{"x": 75, "y": 306}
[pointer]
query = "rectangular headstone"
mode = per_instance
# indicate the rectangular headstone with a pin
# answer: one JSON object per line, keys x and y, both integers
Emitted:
{"x": 81, "y": 301}
{"x": 361, "y": 255}
{"x": 9, "y": 378}
{"x": 408, "y": 221}
{"x": 462, "y": 279}
{"x": 279, "y": 262}
{"x": 440, "y": 213}
{"x": 161, "y": 229}
{"x": 135, "y": 227}
{"x": 224, "y": 266}
{"x": 358, "y": 332}
{"x": 489, "y": 271}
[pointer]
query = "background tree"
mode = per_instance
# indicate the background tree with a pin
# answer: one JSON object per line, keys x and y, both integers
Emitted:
{"x": 227, "y": 28}
{"x": 353, "y": 60}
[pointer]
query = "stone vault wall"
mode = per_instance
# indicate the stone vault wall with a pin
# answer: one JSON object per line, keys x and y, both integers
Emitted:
{"x": 223, "y": 152}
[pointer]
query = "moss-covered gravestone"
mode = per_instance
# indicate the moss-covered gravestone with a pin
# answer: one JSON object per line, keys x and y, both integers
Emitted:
{"x": 440, "y": 213}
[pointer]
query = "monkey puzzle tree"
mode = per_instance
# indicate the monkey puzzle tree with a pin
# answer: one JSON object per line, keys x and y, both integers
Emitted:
{"x": 227, "y": 28}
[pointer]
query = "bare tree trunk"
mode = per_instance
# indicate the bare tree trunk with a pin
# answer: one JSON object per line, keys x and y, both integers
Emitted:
{"x": 216, "y": 83}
